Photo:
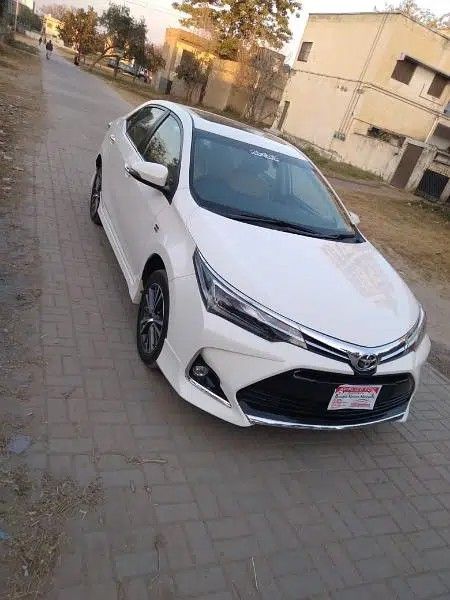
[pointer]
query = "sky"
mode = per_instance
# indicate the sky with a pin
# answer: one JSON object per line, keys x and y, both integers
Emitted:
{"x": 159, "y": 14}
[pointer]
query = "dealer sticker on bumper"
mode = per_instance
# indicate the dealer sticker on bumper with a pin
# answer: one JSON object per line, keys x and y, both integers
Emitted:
{"x": 361, "y": 397}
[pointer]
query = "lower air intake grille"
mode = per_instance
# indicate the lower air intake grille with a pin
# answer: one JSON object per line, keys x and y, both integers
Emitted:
{"x": 302, "y": 397}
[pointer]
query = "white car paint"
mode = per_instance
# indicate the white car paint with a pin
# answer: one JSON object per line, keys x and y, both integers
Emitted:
{"x": 346, "y": 291}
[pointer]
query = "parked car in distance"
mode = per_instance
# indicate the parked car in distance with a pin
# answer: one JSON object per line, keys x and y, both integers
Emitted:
{"x": 129, "y": 69}
{"x": 259, "y": 298}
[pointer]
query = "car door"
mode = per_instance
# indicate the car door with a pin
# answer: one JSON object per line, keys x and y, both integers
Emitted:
{"x": 127, "y": 142}
{"x": 110, "y": 159}
{"x": 141, "y": 203}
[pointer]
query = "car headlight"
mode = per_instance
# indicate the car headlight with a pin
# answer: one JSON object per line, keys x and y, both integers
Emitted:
{"x": 415, "y": 336}
{"x": 221, "y": 299}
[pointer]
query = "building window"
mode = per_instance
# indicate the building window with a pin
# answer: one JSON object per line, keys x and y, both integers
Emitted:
{"x": 437, "y": 86}
{"x": 403, "y": 71}
{"x": 386, "y": 136}
{"x": 304, "y": 51}
{"x": 186, "y": 57}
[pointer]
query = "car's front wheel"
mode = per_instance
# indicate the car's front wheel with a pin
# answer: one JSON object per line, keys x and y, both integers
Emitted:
{"x": 96, "y": 194}
{"x": 153, "y": 317}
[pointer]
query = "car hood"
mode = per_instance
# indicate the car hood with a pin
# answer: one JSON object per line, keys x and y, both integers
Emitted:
{"x": 348, "y": 291}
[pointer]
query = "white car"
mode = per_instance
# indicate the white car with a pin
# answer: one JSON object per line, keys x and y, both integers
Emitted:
{"x": 259, "y": 298}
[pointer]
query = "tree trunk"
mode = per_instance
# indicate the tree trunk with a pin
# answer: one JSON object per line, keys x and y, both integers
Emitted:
{"x": 204, "y": 84}
{"x": 116, "y": 67}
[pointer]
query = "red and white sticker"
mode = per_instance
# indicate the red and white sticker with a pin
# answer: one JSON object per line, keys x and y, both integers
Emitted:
{"x": 356, "y": 397}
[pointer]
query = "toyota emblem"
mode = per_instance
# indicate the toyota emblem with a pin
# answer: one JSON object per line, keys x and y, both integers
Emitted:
{"x": 363, "y": 363}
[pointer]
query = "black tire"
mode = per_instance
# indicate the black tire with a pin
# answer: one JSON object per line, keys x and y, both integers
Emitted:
{"x": 96, "y": 194}
{"x": 153, "y": 317}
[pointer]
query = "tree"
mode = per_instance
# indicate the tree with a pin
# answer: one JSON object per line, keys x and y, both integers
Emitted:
{"x": 117, "y": 23}
{"x": 79, "y": 29}
{"x": 193, "y": 70}
{"x": 153, "y": 59}
{"x": 261, "y": 79}
{"x": 28, "y": 18}
{"x": 264, "y": 22}
{"x": 423, "y": 15}
{"x": 149, "y": 58}
{"x": 135, "y": 45}
{"x": 56, "y": 10}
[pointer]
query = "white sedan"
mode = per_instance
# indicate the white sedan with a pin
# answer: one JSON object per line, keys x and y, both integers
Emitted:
{"x": 259, "y": 298}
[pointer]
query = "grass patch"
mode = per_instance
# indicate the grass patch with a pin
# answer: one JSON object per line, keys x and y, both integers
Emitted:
{"x": 34, "y": 517}
{"x": 8, "y": 428}
{"x": 433, "y": 206}
{"x": 18, "y": 45}
{"x": 334, "y": 168}
{"x": 143, "y": 90}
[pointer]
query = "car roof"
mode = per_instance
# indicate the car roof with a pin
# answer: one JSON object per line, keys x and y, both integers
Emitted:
{"x": 221, "y": 125}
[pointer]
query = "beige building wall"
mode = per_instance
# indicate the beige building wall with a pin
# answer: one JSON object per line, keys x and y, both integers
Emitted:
{"x": 345, "y": 87}
{"x": 223, "y": 90}
{"x": 396, "y": 106}
{"x": 317, "y": 106}
{"x": 220, "y": 83}
{"x": 50, "y": 28}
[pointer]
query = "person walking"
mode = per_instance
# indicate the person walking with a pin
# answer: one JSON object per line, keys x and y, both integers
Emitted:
{"x": 49, "y": 49}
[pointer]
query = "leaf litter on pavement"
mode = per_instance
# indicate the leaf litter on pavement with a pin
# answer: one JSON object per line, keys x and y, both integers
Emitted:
{"x": 34, "y": 509}
{"x": 33, "y": 517}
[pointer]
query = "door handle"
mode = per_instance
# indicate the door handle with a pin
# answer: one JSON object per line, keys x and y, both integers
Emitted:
{"x": 127, "y": 169}
{"x": 112, "y": 139}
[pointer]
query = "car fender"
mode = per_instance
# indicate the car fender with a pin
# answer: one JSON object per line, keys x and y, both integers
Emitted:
{"x": 172, "y": 243}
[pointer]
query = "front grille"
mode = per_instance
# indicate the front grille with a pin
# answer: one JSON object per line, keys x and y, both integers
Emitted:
{"x": 338, "y": 351}
{"x": 302, "y": 397}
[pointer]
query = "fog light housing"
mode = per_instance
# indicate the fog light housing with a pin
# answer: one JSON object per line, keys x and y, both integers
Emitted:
{"x": 205, "y": 378}
{"x": 199, "y": 372}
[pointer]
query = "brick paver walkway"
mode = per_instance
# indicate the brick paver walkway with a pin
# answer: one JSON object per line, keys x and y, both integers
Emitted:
{"x": 233, "y": 513}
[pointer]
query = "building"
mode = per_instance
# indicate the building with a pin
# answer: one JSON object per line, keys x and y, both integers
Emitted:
{"x": 8, "y": 9}
{"x": 50, "y": 29}
{"x": 372, "y": 89}
{"x": 223, "y": 89}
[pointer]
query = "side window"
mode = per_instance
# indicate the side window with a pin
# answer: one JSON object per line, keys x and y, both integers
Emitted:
{"x": 165, "y": 147}
{"x": 140, "y": 124}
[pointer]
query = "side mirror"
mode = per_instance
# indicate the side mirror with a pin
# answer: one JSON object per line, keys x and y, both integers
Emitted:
{"x": 354, "y": 218}
{"x": 150, "y": 173}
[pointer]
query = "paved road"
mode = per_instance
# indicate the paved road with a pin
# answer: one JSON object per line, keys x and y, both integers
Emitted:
{"x": 233, "y": 513}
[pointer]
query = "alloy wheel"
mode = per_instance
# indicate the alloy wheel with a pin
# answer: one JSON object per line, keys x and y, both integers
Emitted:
{"x": 96, "y": 193}
{"x": 151, "y": 322}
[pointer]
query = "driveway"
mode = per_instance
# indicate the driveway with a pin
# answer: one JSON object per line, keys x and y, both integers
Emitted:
{"x": 227, "y": 513}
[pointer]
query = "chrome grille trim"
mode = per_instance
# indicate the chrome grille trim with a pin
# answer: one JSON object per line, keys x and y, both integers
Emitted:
{"x": 339, "y": 350}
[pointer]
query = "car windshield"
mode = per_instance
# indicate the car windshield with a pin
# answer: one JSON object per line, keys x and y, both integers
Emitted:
{"x": 266, "y": 188}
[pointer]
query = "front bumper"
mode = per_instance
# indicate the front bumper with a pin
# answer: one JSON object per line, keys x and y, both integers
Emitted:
{"x": 243, "y": 362}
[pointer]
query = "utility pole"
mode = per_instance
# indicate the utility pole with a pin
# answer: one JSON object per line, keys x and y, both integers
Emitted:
{"x": 15, "y": 16}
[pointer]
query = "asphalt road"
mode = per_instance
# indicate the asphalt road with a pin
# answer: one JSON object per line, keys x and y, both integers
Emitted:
{"x": 232, "y": 513}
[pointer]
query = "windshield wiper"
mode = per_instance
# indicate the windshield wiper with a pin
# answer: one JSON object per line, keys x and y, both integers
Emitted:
{"x": 340, "y": 236}
{"x": 287, "y": 226}
{"x": 270, "y": 222}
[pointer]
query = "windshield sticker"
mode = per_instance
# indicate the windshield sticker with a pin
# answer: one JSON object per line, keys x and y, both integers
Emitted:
{"x": 264, "y": 155}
